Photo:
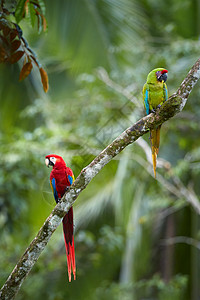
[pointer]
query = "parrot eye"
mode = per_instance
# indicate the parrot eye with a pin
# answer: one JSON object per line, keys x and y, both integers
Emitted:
{"x": 158, "y": 74}
{"x": 161, "y": 76}
{"x": 52, "y": 161}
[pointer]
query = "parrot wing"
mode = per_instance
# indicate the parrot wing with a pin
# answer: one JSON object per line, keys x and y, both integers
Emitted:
{"x": 53, "y": 187}
{"x": 70, "y": 178}
{"x": 165, "y": 92}
{"x": 146, "y": 98}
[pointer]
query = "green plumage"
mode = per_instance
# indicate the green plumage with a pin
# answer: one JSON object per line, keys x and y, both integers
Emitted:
{"x": 157, "y": 91}
{"x": 154, "y": 94}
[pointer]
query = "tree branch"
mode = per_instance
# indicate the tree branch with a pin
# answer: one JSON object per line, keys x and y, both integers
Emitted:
{"x": 181, "y": 239}
{"x": 170, "y": 108}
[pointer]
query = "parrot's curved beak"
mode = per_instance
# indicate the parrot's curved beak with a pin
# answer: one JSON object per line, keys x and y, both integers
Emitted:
{"x": 47, "y": 162}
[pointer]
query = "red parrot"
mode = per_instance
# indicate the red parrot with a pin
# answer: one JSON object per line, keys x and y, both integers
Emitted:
{"x": 60, "y": 178}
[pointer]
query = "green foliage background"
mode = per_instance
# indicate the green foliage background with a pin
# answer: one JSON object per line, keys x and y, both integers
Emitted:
{"x": 97, "y": 55}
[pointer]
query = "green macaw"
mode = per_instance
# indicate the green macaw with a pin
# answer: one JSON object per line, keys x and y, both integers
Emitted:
{"x": 154, "y": 94}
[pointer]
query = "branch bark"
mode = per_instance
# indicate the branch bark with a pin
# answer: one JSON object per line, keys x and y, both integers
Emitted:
{"x": 169, "y": 109}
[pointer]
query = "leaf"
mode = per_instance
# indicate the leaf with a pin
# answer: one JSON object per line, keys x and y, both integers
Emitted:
{"x": 44, "y": 23}
{"x": 6, "y": 30}
{"x": 15, "y": 45}
{"x": 44, "y": 78}
{"x": 31, "y": 14}
{"x": 4, "y": 41}
{"x": 19, "y": 10}
{"x": 2, "y": 54}
{"x": 26, "y": 8}
{"x": 25, "y": 71}
{"x": 39, "y": 22}
{"x": 13, "y": 34}
{"x": 16, "y": 56}
{"x": 42, "y": 6}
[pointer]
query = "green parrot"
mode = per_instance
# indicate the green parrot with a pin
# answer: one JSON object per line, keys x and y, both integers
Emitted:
{"x": 154, "y": 94}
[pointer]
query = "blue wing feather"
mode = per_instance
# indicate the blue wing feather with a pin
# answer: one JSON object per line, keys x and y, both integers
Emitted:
{"x": 146, "y": 101}
{"x": 165, "y": 92}
{"x": 71, "y": 180}
{"x": 53, "y": 186}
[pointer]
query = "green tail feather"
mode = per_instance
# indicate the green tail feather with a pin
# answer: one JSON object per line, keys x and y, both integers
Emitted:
{"x": 155, "y": 142}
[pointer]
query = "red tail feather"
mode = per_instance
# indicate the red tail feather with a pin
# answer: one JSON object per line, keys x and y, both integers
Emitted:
{"x": 68, "y": 262}
{"x": 68, "y": 229}
{"x": 72, "y": 252}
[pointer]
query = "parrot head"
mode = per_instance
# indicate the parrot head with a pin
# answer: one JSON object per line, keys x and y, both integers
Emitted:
{"x": 156, "y": 75}
{"x": 162, "y": 75}
{"x": 54, "y": 160}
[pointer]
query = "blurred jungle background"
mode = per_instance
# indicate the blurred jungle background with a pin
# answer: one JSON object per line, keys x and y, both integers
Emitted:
{"x": 135, "y": 237}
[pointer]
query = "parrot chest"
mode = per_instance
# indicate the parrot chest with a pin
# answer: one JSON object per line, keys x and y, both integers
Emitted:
{"x": 61, "y": 181}
{"x": 156, "y": 94}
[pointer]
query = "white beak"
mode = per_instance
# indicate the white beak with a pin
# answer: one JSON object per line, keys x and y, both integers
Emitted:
{"x": 47, "y": 162}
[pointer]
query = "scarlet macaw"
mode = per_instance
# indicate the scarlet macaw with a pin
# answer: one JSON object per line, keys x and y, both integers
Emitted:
{"x": 154, "y": 94}
{"x": 60, "y": 178}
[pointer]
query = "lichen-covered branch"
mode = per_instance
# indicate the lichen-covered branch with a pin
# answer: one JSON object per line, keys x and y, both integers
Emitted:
{"x": 170, "y": 108}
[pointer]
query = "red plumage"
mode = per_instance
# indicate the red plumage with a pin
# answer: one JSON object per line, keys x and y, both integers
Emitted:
{"x": 164, "y": 71}
{"x": 61, "y": 177}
